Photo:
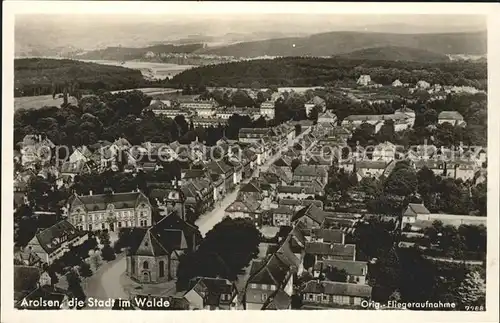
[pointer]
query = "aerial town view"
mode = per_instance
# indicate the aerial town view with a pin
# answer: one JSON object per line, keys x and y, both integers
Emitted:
{"x": 279, "y": 163}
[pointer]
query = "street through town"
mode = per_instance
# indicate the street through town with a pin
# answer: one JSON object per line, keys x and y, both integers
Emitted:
{"x": 105, "y": 283}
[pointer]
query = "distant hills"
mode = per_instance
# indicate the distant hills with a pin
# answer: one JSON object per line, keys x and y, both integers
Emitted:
{"x": 130, "y": 53}
{"x": 35, "y": 76}
{"x": 396, "y": 53}
{"x": 335, "y": 43}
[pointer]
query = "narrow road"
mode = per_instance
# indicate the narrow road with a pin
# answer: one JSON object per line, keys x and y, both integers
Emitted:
{"x": 105, "y": 283}
{"x": 207, "y": 221}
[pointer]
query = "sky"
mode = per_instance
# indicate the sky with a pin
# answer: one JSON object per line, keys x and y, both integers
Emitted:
{"x": 90, "y": 31}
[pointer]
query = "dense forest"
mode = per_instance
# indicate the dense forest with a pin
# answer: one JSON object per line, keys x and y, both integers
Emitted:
{"x": 129, "y": 53}
{"x": 301, "y": 71}
{"x": 333, "y": 43}
{"x": 38, "y": 76}
{"x": 396, "y": 53}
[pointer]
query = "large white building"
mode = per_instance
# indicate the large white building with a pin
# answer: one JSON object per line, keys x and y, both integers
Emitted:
{"x": 110, "y": 211}
{"x": 267, "y": 109}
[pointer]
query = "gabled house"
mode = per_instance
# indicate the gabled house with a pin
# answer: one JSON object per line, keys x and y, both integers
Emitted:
{"x": 308, "y": 173}
{"x": 224, "y": 170}
{"x": 295, "y": 192}
{"x": 327, "y": 117}
{"x": 282, "y": 216}
{"x": 72, "y": 169}
{"x": 325, "y": 250}
{"x": 411, "y": 213}
{"x": 332, "y": 294}
{"x": 211, "y": 294}
{"x": 385, "y": 151}
{"x": 82, "y": 153}
{"x": 356, "y": 270}
{"x": 35, "y": 149}
{"x": 51, "y": 243}
{"x": 310, "y": 216}
{"x": 244, "y": 208}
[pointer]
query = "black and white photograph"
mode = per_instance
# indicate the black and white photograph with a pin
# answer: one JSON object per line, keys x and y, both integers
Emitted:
{"x": 249, "y": 160}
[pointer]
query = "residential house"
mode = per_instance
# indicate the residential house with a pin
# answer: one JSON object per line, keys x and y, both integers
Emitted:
{"x": 223, "y": 170}
{"x": 310, "y": 216}
{"x": 333, "y": 294}
{"x": 35, "y": 149}
{"x": 452, "y": 117}
{"x": 316, "y": 101}
{"x": 211, "y": 294}
{"x": 71, "y": 169}
{"x": 110, "y": 211}
{"x": 308, "y": 173}
{"x": 253, "y": 135}
{"x": 397, "y": 83}
{"x": 295, "y": 192}
{"x": 155, "y": 252}
{"x": 423, "y": 85}
{"x": 53, "y": 242}
{"x": 364, "y": 80}
{"x": 327, "y": 117}
{"x": 370, "y": 168}
{"x": 282, "y": 216}
{"x": 356, "y": 270}
{"x": 325, "y": 250}
{"x": 82, "y": 153}
{"x": 324, "y": 235}
{"x": 267, "y": 109}
{"x": 270, "y": 285}
{"x": 299, "y": 204}
{"x": 385, "y": 151}
{"x": 244, "y": 208}
{"x": 411, "y": 213}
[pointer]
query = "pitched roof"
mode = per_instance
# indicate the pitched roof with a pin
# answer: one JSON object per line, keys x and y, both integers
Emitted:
{"x": 219, "y": 167}
{"x": 282, "y": 210}
{"x": 211, "y": 289}
{"x": 450, "y": 115}
{"x": 101, "y": 201}
{"x": 295, "y": 190}
{"x": 337, "y": 288}
{"x": 414, "y": 209}
{"x": 353, "y": 268}
{"x": 310, "y": 170}
{"x": 313, "y": 212}
{"x": 50, "y": 238}
{"x": 332, "y": 249}
{"x": 294, "y": 202}
{"x": 328, "y": 235}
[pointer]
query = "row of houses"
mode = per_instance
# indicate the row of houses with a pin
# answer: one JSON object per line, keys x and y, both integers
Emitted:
{"x": 209, "y": 109}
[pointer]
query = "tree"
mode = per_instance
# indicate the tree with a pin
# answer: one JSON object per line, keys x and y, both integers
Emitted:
{"x": 226, "y": 250}
{"x": 387, "y": 132}
{"x": 402, "y": 181}
{"x": 336, "y": 275}
{"x": 85, "y": 270}
{"x": 74, "y": 286}
{"x": 96, "y": 259}
{"x": 472, "y": 291}
{"x": 108, "y": 253}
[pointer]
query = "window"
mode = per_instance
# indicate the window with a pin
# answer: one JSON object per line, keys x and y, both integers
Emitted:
{"x": 325, "y": 298}
{"x": 311, "y": 297}
{"x": 145, "y": 265}
{"x": 264, "y": 297}
{"x": 90, "y": 227}
{"x": 253, "y": 285}
{"x": 264, "y": 286}
{"x": 119, "y": 224}
{"x": 162, "y": 268}
{"x": 103, "y": 226}
{"x": 272, "y": 287}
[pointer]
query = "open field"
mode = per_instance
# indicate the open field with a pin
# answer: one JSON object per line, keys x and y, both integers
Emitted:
{"x": 148, "y": 69}
{"x": 36, "y": 102}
